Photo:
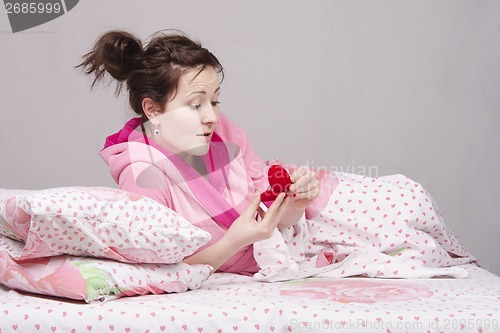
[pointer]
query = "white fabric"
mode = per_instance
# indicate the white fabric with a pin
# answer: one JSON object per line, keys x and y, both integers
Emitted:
{"x": 386, "y": 227}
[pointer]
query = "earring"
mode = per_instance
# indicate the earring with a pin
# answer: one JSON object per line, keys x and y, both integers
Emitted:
{"x": 156, "y": 130}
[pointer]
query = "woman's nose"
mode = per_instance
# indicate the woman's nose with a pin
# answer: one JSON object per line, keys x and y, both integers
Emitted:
{"x": 210, "y": 115}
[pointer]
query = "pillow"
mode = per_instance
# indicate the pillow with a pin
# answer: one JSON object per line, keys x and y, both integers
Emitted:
{"x": 92, "y": 279}
{"x": 96, "y": 222}
{"x": 12, "y": 223}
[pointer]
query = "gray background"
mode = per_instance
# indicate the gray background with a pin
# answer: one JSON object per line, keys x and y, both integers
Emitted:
{"x": 370, "y": 87}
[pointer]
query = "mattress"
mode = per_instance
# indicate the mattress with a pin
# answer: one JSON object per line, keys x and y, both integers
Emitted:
{"x": 234, "y": 303}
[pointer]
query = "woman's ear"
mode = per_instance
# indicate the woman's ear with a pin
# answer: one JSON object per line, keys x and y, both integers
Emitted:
{"x": 151, "y": 108}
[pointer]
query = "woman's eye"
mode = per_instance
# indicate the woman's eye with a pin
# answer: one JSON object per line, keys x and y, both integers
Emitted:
{"x": 198, "y": 106}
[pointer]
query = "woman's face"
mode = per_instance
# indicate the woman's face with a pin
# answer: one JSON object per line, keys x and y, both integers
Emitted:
{"x": 188, "y": 121}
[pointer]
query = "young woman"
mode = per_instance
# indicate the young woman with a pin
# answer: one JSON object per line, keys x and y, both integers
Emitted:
{"x": 183, "y": 152}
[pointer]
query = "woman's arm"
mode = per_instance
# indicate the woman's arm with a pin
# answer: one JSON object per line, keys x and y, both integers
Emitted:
{"x": 216, "y": 254}
{"x": 304, "y": 190}
{"x": 244, "y": 231}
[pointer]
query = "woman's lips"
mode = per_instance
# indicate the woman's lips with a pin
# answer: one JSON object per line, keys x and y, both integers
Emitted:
{"x": 207, "y": 136}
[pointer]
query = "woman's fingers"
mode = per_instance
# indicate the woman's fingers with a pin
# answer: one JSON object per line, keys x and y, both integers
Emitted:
{"x": 253, "y": 206}
{"x": 310, "y": 191}
{"x": 305, "y": 181}
{"x": 297, "y": 174}
{"x": 273, "y": 215}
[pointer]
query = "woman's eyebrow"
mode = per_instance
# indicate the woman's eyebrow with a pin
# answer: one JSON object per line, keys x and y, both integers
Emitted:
{"x": 197, "y": 92}
{"x": 201, "y": 92}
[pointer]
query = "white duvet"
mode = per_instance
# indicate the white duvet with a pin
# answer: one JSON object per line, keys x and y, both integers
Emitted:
{"x": 387, "y": 227}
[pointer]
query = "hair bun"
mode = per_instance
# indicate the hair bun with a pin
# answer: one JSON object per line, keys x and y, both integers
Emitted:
{"x": 121, "y": 53}
{"x": 116, "y": 52}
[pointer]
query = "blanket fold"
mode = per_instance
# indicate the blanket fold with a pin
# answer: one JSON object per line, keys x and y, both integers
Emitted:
{"x": 387, "y": 227}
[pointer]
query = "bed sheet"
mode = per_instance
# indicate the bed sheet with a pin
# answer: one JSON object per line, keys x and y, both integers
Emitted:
{"x": 234, "y": 303}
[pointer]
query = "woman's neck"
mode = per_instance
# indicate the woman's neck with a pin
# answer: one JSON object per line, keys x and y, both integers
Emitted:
{"x": 196, "y": 162}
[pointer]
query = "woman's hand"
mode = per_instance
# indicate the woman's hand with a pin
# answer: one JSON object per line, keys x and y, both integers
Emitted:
{"x": 305, "y": 187}
{"x": 246, "y": 230}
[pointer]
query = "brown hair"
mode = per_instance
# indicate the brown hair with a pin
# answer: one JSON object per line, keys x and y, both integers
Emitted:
{"x": 152, "y": 71}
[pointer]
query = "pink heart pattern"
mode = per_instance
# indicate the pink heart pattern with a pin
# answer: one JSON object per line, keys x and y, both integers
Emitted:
{"x": 392, "y": 220}
{"x": 97, "y": 222}
{"x": 233, "y": 303}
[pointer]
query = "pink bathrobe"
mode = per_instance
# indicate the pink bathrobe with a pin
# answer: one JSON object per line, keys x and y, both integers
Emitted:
{"x": 213, "y": 202}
